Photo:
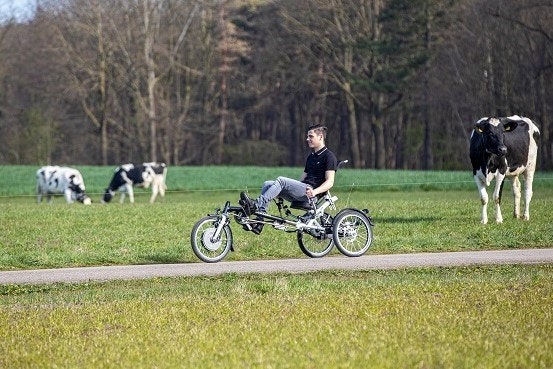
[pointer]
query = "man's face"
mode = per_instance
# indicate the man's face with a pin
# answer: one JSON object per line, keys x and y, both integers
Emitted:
{"x": 315, "y": 140}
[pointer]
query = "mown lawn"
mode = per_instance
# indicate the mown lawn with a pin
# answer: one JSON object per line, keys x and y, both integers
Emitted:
{"x": 414, "y": 211}
{"x": 469, "y": 317}
{"x": 60, "y": 235}
{"x": 477, "y": 317}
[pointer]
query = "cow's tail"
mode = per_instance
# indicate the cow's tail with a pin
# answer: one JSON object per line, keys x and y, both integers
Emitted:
{"x": 164, "y": 175}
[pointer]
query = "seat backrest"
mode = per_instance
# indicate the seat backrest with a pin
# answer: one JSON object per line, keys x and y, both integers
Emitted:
{"x": 341, "y": 163}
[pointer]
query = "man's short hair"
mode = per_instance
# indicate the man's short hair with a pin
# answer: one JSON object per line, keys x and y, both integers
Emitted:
{"x": 318, "y": 128}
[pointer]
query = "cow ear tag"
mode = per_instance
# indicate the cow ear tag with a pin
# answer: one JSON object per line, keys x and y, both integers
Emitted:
{"x": 479, "y": 129}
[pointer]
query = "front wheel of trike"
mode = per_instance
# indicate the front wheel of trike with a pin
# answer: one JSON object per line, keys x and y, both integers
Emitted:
{"x": 352, "y": 232}
{"x": 315, "y": 246}
{"x": 205, "y": 245}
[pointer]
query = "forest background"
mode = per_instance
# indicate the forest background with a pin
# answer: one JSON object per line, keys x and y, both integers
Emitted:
{"x": 399, "y": 83}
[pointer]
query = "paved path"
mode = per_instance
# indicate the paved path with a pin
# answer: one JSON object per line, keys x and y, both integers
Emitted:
{"x": 366, "y": 262}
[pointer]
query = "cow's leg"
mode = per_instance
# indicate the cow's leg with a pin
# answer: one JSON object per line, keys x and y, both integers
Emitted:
{"x": 68, "y": 196}
{"x": 130, "y": 191}
{"x": 162, "y": 188}
{"x": 38, "y": 195}
{"x": 158, "y": 187}
{"x": 155, "y": 190}
{"x": 497, "y": 197}
{"x": 528, "y": 180}
{"x": 127, "y": 188}
{"x": 483, "y": 198}
{"x": 516, "y": 196}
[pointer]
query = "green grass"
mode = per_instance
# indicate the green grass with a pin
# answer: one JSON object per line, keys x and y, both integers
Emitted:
{"x": 487, "y": 317}
{"x": 422, "y": 220}
{"x": 58, "y": 235}
{"x": 473, "y": 317}
{"x": 20, "y": 180}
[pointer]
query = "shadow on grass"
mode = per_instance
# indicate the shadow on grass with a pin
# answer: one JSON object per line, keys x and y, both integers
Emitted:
{"x": 162, "y": 259}
{"x": 405, "y": 219}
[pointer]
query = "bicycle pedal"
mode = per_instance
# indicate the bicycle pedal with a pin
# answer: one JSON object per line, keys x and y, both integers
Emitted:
{"x": 279, "y": 226}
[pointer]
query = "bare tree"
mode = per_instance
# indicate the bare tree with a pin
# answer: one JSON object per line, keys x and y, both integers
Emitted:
{"x": 399, "y": 83}
{"x": 149, "y": 70}
{"x": 82, "y": 28}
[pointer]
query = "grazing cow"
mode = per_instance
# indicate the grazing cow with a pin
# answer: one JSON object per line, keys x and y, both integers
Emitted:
{"x": 52, "y": 180}
{"x": 128, "y": 175}
{"x": 499, "y": 148}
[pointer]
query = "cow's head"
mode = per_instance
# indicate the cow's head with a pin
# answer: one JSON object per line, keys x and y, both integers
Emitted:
{"x": 492, "y": 131}
{"x": 108, "y": 195}
{"x": 78, "y": 188}
{"x": 82, "y": 197}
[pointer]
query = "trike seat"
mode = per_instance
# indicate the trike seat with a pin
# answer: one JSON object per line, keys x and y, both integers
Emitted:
{"x": 301, "y": 205}
{"x": 306, "y": 205}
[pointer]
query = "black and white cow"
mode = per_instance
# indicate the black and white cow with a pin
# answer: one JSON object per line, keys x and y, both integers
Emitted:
{"x": 51, "y": 180}
{"x": 499, "y": 148}
{"x": 145, "y": 175}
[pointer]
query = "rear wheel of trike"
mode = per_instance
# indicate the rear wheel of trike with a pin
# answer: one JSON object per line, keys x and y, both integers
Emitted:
{"x": 205, "y": 245}
{"x": 352, "y": 232}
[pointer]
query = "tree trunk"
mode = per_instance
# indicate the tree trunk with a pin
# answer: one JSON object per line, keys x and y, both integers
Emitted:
{"x": 545, "y": 144}
{"x": 224, "y": 67}
{"x": 428, "y": 155}
{"x": 103, "y": 87}
{"x": 379, "y": 146}
{"x": 149, "y": 29}
{"x": 352, "y": 127}
{"x": 400, "y": 141}
{"x": 295, "y": 132}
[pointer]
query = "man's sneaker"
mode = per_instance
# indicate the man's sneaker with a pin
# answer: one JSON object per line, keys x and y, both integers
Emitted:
{"x": 257, "y": 228}
{"x": 247, "y": 204}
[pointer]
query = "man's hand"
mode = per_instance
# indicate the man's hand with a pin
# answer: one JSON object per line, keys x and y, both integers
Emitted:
{"x": 309, "y": 192}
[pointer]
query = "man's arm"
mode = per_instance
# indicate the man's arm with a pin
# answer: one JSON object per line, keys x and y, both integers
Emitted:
{"x": 325, "y": 186}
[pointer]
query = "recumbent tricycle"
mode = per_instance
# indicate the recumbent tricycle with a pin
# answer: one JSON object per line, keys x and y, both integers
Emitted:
{"x": 317, "y": 231}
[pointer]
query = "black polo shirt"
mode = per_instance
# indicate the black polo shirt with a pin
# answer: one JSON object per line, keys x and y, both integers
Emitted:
{"x": 317, "y": 164}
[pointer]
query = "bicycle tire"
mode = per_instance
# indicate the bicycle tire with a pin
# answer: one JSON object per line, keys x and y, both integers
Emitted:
{"x": 352, "y": 232}
{"x": 319, "y": 245}
{"x": 203, "y": 245}
{"x": 313, "y": 246}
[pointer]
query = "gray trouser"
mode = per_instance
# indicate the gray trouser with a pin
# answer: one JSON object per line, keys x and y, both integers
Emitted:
{"x": 287, "y": 188}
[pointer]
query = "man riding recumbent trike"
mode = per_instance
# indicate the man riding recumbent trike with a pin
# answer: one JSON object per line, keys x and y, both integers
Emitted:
{"x": 316, "y": 229}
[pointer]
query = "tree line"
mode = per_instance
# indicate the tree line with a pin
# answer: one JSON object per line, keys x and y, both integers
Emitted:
{"x": 399, "y": 83}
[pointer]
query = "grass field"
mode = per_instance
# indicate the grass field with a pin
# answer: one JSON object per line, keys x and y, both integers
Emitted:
{"x": 487, "y": 317}
{"x": 20, "y": 180}
{"x": 436, "y": 213}
{"x": 474, "y": 317}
